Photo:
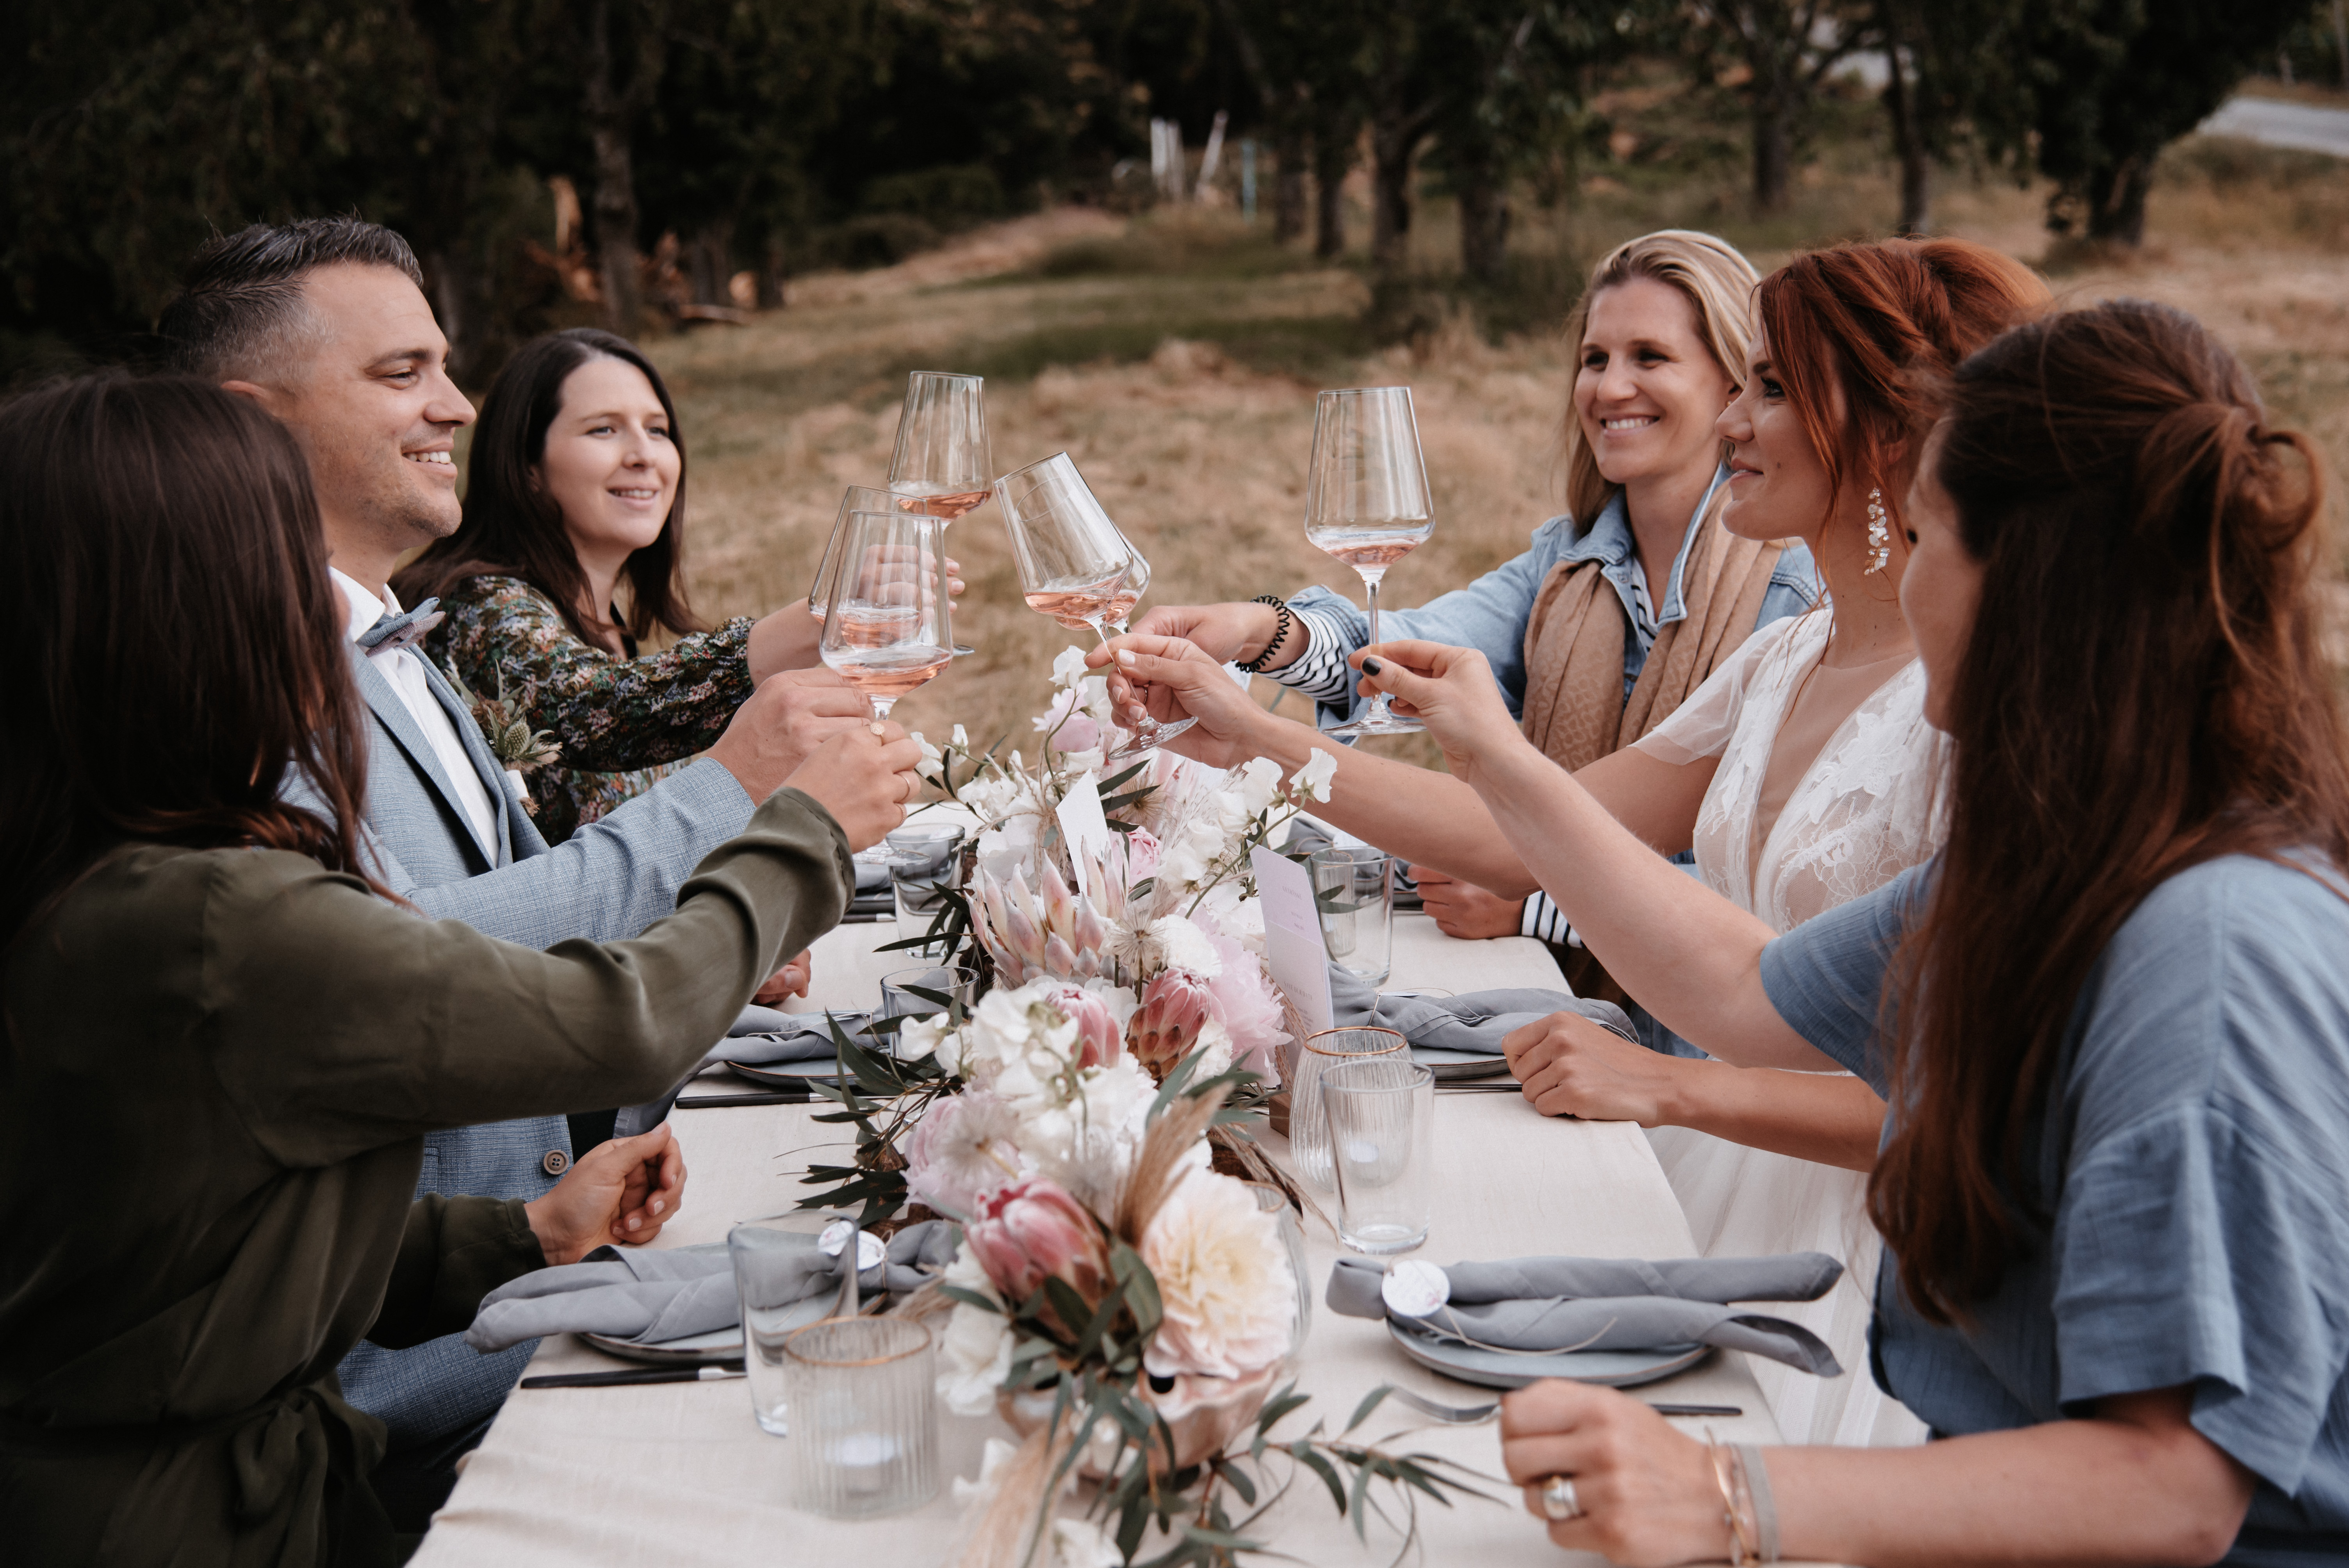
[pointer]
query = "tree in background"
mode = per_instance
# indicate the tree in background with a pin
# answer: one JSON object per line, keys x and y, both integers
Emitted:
{"x": 2110, "y": 83}
{"x": 1789, "y": 50}
{"x": 748, "y": 88}
{"x": 1303, "y": 61}
{"x": 1957, "y": 77}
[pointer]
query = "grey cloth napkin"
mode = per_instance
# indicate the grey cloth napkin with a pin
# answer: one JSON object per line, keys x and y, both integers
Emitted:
{"x": 1611, "y": 1304}
{"x": 649, "y": 1297}
{"x": 761, "y": 1035}
{"x": 1476, "y": 1023}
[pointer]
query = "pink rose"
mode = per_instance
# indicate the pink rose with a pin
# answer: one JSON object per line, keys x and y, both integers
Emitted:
{"x": 1096, "y": 1025}
{"x": 1249, "y": 1009}
{"x": 1143, "y": 853}
{"x": 964, "y": 1148}
{"x": 1032, "y": 1230}
{"x": 1175, "y": 1007}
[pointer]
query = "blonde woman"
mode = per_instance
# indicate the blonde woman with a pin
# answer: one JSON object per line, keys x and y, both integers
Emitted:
{"x": 1624, "y": 604}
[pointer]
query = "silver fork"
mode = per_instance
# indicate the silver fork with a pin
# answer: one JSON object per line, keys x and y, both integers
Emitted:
{"x": 1450, "y": 1415}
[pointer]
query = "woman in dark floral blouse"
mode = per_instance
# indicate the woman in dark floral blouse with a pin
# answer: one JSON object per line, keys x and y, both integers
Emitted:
{"x": 578, "y": 481}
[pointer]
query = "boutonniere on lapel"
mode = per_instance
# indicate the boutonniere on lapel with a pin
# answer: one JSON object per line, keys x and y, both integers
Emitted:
{"x": 518, "y": 748}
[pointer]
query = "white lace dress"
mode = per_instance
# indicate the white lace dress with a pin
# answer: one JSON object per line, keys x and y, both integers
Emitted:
{"x": 1867, "y": 808}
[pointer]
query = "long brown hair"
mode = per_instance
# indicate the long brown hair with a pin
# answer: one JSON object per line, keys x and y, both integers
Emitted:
{"x": 512, "y": 528}
{"x": 2145, "y": 693}
{"x": 174, "y": 647}
{"x": 1876, "y": 319}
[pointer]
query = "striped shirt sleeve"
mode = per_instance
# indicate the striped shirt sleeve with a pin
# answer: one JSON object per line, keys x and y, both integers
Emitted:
{"x": 1320, "y": 672}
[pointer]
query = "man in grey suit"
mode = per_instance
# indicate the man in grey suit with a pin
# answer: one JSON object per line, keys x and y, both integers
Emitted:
{"x": 325, "y": 325}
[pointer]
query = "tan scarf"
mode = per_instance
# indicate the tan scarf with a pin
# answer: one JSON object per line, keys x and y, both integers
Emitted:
{"x": 1574, "y": 707}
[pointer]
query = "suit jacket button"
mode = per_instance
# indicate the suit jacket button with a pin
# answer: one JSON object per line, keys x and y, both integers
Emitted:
{"x": 555, "y": 1162}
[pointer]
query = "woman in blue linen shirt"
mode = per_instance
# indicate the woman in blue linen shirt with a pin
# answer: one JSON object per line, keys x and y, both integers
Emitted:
{"x": 2113, "y": 1016}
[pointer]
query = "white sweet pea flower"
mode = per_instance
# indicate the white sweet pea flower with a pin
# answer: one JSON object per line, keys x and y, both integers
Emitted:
{"x": 1313, "y": 779}
{"x": 1257, "y": 782}
{"x": 975, "y": 1352}
{"x": 931, "y": 755}
{"x": 1068, "y": 668}
{"x": 919, "y": 1037}
{"x": 961, "y": 739}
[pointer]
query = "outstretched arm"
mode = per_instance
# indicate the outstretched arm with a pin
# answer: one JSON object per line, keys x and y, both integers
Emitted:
{"x": 1422, "y": 816}
{"x": 1691, "y": 956}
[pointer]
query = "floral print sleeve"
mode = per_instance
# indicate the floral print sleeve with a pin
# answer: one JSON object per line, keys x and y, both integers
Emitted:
{"x": 616, "y": 719}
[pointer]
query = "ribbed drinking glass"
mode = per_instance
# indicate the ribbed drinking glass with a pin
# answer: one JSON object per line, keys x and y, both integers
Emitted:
{"x": 865, "y": 1416}
{"x": 1308, "y": 1124}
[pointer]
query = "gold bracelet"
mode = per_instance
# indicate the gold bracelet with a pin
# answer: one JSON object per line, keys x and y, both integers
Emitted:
{"x": 1742, "y": 1546}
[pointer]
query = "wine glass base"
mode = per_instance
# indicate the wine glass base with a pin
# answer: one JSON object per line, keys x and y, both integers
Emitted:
{"x": 1378, "y": 724}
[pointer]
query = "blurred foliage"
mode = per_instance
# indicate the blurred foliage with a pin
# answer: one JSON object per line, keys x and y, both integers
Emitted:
{"x": 774, "y": 137}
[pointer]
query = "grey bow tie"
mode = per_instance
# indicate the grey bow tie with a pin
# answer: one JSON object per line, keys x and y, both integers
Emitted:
{"x": 392, "y": 632}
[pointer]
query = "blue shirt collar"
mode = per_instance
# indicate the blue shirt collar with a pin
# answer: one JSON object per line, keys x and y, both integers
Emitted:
{"x": 1608, "y": 541}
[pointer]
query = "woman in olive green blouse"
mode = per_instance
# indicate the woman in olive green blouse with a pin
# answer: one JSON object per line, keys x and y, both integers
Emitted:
{"x": 224, "y": 1043}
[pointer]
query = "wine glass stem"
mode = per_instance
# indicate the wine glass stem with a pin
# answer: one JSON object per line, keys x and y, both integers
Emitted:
{"x": 882, "y": 705}
{"x": 1370, "y": 582}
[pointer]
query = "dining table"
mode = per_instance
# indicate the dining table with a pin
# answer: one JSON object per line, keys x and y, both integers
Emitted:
{"x": 679, "y": 1474}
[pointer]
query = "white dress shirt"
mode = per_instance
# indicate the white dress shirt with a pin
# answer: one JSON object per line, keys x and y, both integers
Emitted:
{"x": 405, "y": 670}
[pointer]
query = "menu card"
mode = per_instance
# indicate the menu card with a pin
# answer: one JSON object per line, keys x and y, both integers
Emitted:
{"x": 1293, "y": 950}
{"x": 1085, "y": 824}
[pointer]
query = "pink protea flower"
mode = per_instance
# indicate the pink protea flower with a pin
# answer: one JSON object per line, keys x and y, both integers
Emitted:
{"x": 1096, "y": 1025}
{"x": 1175, "y": 1007}
{"x": 1031, "y": 1231}
{"x": 1246, "y": 1006}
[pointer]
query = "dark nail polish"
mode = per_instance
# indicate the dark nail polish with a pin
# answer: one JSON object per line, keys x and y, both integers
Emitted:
{"x": 1371, "y": 667}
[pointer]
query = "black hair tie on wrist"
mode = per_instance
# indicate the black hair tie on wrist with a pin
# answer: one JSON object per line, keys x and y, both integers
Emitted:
{"x": 1284, "y": 618}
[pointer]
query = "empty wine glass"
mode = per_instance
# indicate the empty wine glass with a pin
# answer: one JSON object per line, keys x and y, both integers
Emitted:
{"x": 856, "y": 498}
{"x": 1073, "y": 562}
{"x": 942, "y": 457}
{"x": 889, "y": 625}
{"x": 1366, "y": 502}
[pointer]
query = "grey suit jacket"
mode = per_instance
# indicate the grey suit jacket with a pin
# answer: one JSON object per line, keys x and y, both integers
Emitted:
{"x": 606, "y": 884}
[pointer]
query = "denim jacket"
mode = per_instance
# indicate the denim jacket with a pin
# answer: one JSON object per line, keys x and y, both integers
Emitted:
{"x": 1490, "y": 614}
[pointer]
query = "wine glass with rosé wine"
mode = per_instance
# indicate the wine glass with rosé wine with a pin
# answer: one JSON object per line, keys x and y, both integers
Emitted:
{"x": 889, "y": 625}
{"x": 856, "y": 498}
{"x": 1366, "y": 502}
{"x": 1074, "y": 564}
{"x": 942, "y": 460}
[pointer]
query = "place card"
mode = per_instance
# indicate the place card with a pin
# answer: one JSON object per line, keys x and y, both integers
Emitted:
{"x": 1293, "y": 949}
{"x": 1085, "y": 824}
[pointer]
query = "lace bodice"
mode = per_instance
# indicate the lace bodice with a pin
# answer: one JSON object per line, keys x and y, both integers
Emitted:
{"x": 1869, "y": 807}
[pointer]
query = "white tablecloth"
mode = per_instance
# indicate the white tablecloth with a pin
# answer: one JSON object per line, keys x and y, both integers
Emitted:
{"x": 678, "y": 1474}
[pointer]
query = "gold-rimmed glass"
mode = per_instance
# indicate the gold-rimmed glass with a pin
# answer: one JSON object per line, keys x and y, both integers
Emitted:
{"x": 1308, "y": 1124}
{"x": 864, "y": 1418}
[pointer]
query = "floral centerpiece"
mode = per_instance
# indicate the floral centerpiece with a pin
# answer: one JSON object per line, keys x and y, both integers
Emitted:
{"x": 1127, "y": 1305}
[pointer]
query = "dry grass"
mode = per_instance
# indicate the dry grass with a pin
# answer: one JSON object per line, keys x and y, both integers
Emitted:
{"x": 1177, "y": 360}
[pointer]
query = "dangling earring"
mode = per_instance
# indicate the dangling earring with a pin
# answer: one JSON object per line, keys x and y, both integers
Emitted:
{"x": 1879, "y": 538}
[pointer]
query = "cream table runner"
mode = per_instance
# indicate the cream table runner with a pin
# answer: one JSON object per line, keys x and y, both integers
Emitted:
{"x": 680, "y": 1475}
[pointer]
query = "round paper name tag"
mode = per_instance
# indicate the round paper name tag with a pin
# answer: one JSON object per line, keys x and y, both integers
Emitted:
{"x": 870, "y": 1249}
{"x": 1414, "y": 1288}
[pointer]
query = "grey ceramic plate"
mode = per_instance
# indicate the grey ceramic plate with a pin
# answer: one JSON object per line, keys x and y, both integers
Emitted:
{"x": 720, "y": 1344}
{"x": 1492, "y": 1369}
{"x": 1454, "y": 1066}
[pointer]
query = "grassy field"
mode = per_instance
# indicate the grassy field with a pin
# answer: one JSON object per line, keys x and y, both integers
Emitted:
{"x": 1176, "y": 356}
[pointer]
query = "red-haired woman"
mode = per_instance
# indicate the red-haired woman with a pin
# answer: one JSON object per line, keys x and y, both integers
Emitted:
{"x": 1803, "y": 771}
{"x": 2112, "y": 1016}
